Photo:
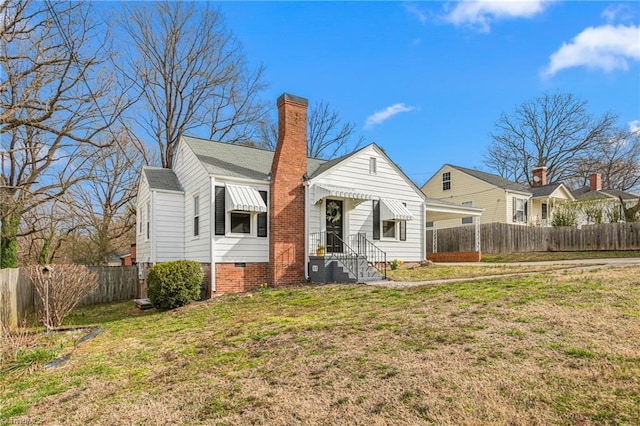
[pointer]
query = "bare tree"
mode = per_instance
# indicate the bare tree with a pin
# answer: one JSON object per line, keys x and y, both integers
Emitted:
{"x": 55, "y": 97}
{"x": 327, "y": 135}
{"x": 555, "y": 130}
{"x": 617, "y": 159}
{"x": 190, "y": 75}
{"x": 104, "y": 203}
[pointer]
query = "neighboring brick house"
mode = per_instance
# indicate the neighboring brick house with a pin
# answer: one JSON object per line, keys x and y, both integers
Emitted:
{"x": 503, "y": 201}
{"x": 252, "y": 216}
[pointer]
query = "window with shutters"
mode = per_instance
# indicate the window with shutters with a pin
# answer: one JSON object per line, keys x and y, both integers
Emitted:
{"x": 388, "y": 229}
{"x": 239, "y": 222}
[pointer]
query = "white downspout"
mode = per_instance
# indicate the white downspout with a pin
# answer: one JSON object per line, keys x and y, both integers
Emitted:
{"x": 306, "y": 188}
{"x": 212, "y": 224}
{"x": 152, "y": 227}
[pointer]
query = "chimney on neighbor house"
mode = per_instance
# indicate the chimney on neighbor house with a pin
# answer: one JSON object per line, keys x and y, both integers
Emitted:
{"x": 595, "y": 182}
{"x": 539, "y": 176}
{"x": 286, "y": 210}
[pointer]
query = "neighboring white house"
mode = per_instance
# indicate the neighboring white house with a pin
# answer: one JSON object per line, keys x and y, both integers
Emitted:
{"x": 598, "y": 205}
{"x": 252, "y": 216}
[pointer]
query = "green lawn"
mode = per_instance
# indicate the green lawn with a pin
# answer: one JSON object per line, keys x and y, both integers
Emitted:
{"x": 545, "y": 349}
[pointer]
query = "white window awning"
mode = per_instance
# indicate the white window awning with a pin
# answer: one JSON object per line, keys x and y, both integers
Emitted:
{"x": 394, "y": 210}
{"x": 319, "y": 192}
{"x": 244, "y": 198}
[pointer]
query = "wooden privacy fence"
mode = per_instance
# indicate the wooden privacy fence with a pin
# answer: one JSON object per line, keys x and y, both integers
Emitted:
{"x": 19, "y": 298}
{"x": 507, "y": 238}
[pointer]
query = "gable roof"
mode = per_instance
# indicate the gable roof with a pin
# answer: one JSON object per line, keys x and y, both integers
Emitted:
{"x": 547, "y": 190}
{"x": 330, "y": 164}
{"x": 492, "y": 179}
{"x": 585, "y": 193}
{"x": 162, "y": 179}
{"x": 225, "y": 159}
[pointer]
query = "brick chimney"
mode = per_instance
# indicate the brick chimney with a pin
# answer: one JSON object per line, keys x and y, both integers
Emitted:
{"x": 595, "y": 182}
{"x": 286, "y": 211}
{"x": 539, "y": 176}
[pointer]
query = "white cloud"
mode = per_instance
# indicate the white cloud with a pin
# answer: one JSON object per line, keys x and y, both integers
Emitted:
{"x": 481, "y": 13}
{"x": 606, "y": 47}
{"x": 385, "y": 114}
{"x": 618, "y": 13}
{"x": 412, "y": 9}
{"x": 634, "y": 127}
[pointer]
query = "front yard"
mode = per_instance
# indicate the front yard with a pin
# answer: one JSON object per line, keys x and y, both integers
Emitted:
{"x": 551, "y": 348}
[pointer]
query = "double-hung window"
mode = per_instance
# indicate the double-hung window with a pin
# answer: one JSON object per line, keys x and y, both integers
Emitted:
{"x": 196, "y": 215}
{"x": 519, "y": 210}
{"x": 446, "y": 181}
{"x": 148, "y": 220}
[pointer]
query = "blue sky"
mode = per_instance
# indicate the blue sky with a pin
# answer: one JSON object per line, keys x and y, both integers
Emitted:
{"x": 427, "y": 80}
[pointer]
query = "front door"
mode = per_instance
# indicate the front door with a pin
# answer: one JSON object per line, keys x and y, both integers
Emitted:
{"x": 334, "y": 215}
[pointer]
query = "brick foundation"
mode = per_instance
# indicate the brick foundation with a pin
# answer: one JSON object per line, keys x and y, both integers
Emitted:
{"x": 234, "y": 278}
{"x": 460, "y": 256}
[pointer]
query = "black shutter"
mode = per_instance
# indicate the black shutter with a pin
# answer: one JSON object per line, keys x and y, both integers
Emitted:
{"x": 262, "y": 217}
{"x": 515, "y": 214}
{"x": 526, "y": 214}
{"x": 220, "y": 210}
{"x": 403, "y": 228}
{"x": 376, "y": 219}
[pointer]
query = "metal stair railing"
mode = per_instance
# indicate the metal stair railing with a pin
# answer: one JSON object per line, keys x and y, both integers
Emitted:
{"x": 356, "y": 247}
{"x": 366, "y": 248}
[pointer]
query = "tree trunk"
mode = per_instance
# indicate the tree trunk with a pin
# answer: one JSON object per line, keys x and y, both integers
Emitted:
{"x": 8, "y": 241}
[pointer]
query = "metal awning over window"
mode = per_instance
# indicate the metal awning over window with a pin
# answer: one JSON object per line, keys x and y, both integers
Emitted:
{"x": 244, "y": 198}
{"x": 318, "y": 192}
{"x": 394, "y": 210}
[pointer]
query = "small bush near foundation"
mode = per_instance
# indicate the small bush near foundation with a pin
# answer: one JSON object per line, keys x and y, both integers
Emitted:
{"x": 174, "y": 284}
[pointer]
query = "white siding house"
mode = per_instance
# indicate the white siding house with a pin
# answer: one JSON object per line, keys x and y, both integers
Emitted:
{"x": 361, "y": 181}
{"x": 251, "y": 216}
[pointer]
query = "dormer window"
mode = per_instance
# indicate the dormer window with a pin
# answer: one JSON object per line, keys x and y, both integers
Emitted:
{"x": 446, "y": 181}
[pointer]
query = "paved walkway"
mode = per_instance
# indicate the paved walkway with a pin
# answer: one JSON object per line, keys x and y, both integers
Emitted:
{"x": 571, "y": 265}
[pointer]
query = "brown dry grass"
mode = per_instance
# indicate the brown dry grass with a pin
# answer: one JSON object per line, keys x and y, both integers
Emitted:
{"x": 440, "y": 272}
{"x": 548, "y": 349}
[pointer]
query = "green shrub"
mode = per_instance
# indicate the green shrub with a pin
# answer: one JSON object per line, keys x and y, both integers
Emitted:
{"x": 174, "y": 284}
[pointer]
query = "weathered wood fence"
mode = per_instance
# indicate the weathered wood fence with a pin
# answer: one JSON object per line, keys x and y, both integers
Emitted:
{"x": 505, "y": 238}
{"x": 19, "y": 298}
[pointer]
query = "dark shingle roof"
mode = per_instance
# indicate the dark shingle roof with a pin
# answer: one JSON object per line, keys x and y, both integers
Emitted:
{"x": 224, "y": 159}
{"x": 163, "y": 179}
{"x": 492, "y": 179}
{"x": 585, "y": 193}
{"x": 545, "y": 190}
